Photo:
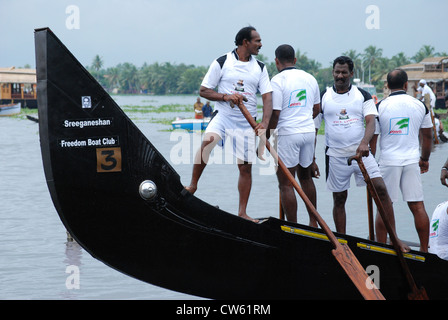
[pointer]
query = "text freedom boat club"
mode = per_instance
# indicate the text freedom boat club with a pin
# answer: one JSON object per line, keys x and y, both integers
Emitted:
{"x": 88, "y": 142}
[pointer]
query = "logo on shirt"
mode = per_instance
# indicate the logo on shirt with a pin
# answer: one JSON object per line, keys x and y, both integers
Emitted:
{"x": 297, "y": 98}
{"x": 399, "y": 126}
{"x": 239, "y": 86}
{"x": 343, "y": 115}
{"x": 434, "y": 228}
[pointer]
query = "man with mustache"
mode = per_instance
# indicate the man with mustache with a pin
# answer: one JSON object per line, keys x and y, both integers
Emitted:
{"x": 236, "y": 76}
{"x": 345, "y": 108}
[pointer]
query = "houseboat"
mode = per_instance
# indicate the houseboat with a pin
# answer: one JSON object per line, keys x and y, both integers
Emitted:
{"x": 435, "y": 71}
{"x": 18, "y": 85}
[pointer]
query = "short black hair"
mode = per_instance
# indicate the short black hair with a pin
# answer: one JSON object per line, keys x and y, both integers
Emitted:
{"x": 285, "y": 53}
{"x": 396, "y": 79}
{"x": 244, "y": 34}
{"x": 344, "y": 60}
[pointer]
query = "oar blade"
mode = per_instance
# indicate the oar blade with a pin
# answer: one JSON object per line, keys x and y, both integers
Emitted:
{"x": 356, "y": 273}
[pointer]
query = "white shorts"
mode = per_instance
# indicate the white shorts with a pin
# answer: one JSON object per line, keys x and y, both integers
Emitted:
{"x": 339, "y": 172}
{"x": 238, "y": 132}
{"x": 296, "y": 149}
{"x": 405, "y": 178}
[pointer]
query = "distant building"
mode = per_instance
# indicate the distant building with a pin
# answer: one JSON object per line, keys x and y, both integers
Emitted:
{"x": 434, "y": 70}
{"x": 18, "y": 85}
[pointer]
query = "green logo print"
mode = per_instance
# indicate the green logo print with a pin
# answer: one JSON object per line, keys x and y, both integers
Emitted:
{"x": 435, "y": 225}
{"x": 403, "y": 123}
{"x": 301, "y": 95}
{"x": 297, "y": 98}
{"x": 399, "y": 126}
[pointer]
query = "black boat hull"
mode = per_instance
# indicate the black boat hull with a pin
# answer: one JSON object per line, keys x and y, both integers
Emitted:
{"x": 95, "y": 159}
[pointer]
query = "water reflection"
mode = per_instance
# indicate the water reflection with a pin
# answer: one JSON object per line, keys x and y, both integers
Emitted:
{"x": 72, "y": 261}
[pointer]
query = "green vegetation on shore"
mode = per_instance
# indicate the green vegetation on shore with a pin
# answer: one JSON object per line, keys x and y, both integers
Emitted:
{"x": 135, "y": 111}
{"x": 168, "y": 78}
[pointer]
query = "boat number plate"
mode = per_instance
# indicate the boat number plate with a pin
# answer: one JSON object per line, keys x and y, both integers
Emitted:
{"x": 108, "y": 159}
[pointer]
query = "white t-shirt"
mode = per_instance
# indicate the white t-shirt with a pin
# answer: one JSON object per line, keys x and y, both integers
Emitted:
{"x": 400, "y": 118}
{"x": 438, "y": 231}
{"x": 344, "y": 114}
{"x": 295, "y": 92}
{"x": 231, "y": 75}
{"x": 427, "y": 90}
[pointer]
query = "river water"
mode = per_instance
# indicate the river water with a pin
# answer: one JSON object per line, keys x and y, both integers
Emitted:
{"x": 35, "y": 256}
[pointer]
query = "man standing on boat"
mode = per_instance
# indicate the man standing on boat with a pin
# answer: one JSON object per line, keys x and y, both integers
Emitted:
{"x": 403, "y": 119}
{"x": 296, "y": 101}
{"x": 237, "y": 76}
{"x": 345, "y": 108}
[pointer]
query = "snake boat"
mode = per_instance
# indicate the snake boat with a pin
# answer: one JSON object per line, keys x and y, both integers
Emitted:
{"x": 125, "y": 205}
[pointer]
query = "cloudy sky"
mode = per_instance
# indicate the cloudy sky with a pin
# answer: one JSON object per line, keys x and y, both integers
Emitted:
{"x": 198, "y": 31}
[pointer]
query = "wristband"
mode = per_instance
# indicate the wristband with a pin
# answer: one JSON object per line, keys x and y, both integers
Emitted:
{"x": 444, "y": 168}
{"x": 223, "y": 95}
{"x": 424, "y": 159}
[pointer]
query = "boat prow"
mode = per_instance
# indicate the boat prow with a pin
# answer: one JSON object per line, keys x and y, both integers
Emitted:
{"x": 125, "y": 205}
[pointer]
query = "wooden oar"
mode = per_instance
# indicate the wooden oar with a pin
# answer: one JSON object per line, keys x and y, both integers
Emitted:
{"x": 370, "y": 215}
{"x": 436, "y": 138}
{"x": 341, "y": 252}
{"x": 416, "y": 294}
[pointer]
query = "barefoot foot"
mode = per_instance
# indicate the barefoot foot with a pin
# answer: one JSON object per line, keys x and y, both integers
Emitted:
{"x": 191, "y": 189}
{"x": 245, "y": 216}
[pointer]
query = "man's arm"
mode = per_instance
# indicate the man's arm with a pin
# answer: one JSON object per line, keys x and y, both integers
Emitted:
{"x": 272, "y": 123}
{"x": 267, "y": 112}
{"x": 363, "y": 147}
{"x": 212, "y": 95}
{"x": 444, "y": 174}
{"x": 426, "y": 134}
{"x": 316, "y": 110}
{"x": 373, "y": 143}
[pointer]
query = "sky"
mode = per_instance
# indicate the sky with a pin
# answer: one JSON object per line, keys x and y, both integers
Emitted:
{"x": 199, "y": 31}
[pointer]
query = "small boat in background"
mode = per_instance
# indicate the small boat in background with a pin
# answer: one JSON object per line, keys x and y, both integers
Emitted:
{"x": 10, "y": 109}
{"x": 191, "y": 124}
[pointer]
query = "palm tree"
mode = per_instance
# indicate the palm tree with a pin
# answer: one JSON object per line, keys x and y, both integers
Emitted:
{"x": 382, "y": 66}
{"x": 306, "y": 64}
{"x": 357, "y": 61}
{"x": 112, "y": 77}
{"x": 371, "y": 55}
{"x": 399, "y": 60}
{"x": 425, "y": 51}
{"x": 97, "y": 63}
{"x": 128, "y": 77}
{"x": 190, "y": 80}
